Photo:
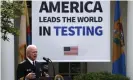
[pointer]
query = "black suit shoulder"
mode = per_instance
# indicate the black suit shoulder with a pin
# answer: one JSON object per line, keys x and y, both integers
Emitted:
{"x": 23, "y": 62}
{"x": 20, "y": 69}
{"x": 26, "y": 67}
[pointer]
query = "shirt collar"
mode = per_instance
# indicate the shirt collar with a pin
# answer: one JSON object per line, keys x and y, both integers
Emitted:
{"x": 30, "y": 60}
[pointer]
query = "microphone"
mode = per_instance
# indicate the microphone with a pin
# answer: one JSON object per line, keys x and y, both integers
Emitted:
{"x": 46, "y": 59}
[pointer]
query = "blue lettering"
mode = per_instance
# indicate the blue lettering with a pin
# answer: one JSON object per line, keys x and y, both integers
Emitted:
{"x": 84, "y": 31}
{"x": 64, "y": 31}
{"x": 98, "y": 31}
{"x": 78, "y": 29}
{"x": 90, "y": 30}
{"x": 57, "y": 29}
{"x": 71, "y": 29}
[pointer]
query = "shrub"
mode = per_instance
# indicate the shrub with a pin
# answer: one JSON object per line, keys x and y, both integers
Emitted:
{"x": 100, "y": 76}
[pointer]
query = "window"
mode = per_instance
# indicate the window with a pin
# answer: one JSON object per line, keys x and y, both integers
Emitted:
{"x": 71, "y": 68}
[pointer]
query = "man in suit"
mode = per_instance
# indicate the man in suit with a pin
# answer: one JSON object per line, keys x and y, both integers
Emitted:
{"x": 29, "y": 69}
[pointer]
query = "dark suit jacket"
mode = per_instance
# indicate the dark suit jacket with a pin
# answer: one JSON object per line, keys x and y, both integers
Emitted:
{"x": 26, "y": 67}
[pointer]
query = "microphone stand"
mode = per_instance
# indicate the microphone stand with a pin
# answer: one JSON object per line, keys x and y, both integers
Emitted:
{"x": 48, "y": 60}
{"x": 53, "y": 67}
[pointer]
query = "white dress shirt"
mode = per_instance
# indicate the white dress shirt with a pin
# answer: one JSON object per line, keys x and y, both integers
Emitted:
{"x": 30, "y": 60}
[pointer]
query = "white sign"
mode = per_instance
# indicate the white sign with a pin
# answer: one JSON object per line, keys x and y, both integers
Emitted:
{"x": 72, "y": 31}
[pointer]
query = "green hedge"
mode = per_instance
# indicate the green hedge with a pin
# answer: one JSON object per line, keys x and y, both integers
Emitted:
{"x": 99, "y": 76}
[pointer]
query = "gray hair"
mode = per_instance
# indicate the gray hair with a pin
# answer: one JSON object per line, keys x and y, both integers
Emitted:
{"x": 29, "y": 47}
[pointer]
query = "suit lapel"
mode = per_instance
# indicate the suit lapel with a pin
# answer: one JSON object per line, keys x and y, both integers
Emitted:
{"x": 29, "y": 63}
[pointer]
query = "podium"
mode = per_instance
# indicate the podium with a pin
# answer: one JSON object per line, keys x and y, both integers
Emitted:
{"x": 52, "y": 78}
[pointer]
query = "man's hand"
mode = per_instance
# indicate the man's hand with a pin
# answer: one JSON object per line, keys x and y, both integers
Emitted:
{"x": 46, "y": 75}
{"x": 31, "y": 76}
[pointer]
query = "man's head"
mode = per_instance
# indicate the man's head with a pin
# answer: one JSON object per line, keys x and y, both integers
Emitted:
{"x": 31, "y": 52}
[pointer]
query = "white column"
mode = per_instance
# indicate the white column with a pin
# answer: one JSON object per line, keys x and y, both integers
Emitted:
{"x": 130, "y": 40}
{"x": 0, "y": 52}
{"x": 7, "y": 59}
{"x": 0, "y": 47}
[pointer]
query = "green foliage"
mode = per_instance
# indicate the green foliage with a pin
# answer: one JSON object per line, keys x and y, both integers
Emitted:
{"x": 9, "y": 10}
{"x": 100, "y": 76}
